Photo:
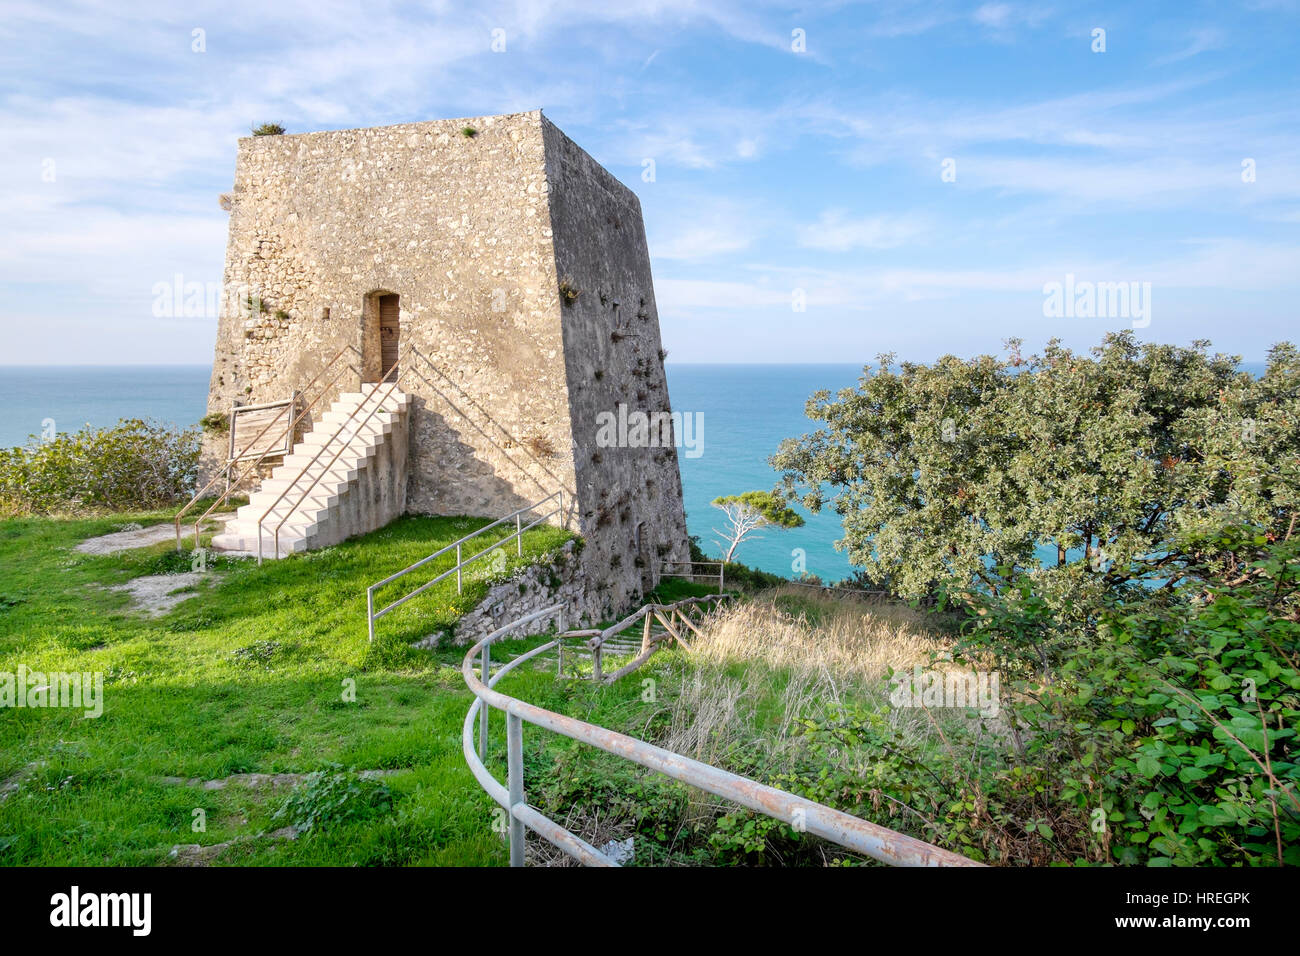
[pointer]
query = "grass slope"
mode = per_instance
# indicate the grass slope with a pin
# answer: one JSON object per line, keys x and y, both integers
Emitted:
{"x": 247, "y": 675}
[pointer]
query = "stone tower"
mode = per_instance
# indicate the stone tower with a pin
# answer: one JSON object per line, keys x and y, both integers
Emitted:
{"x": 517, "y": 268}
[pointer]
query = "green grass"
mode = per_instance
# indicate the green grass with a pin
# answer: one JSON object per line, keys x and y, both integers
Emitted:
{"x": 248, "y": 676}
{"x": 245, "y": 676}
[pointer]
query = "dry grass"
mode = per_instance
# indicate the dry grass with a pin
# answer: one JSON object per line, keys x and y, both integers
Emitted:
{"x": 765, "y": 666}
{"x": 834, "y": 641}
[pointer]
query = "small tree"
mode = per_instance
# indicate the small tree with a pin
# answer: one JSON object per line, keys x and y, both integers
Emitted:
{"x": 749, "y": 513}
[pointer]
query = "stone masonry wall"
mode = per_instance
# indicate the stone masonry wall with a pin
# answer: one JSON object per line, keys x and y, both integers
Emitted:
{"x": 614, "y": 356}
{"x": 531, "y": 589}
{"x": 457, "y": 226}
{"x": 475, "y": 233}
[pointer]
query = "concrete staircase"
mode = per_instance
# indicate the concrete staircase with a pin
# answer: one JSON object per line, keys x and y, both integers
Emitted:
{"x": 361, "y": 489}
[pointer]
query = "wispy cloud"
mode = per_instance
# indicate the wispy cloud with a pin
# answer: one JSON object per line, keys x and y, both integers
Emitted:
{"x": 835, "y": 231}
{"x": 1199, "y": 41}
{"x": 775, "y": 171}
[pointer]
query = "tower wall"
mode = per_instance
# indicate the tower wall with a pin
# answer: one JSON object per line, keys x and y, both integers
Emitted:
{"x": 476, "y": 234}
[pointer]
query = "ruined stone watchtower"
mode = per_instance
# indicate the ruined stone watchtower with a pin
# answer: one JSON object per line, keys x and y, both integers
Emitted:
{"x": 511, "y": 273}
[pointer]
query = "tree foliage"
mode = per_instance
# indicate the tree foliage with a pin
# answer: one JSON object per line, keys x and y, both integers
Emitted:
{"x": 135, "y": 464}
{"x": 750, "y": 512}
{"x": 971, "y": 469}
{"x": 1165, "y": 722}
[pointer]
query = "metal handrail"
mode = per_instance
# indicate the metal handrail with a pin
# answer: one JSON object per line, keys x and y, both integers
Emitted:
{"x": 372, "y": 615}
{"x": 852, "y": 833}
{"x": 692, "y": 565}
{"x": 433, "y": 367}
{"x": 245, "y": 471}
{"x": 337, "y": 432}
{"x": 294, "y": 424}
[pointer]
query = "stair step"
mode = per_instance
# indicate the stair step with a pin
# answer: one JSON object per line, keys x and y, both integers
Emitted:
{"x": 353, "y": 399}
{"x": 349, "y": 460}
{"x": 335, "y": 434}
{"x": 311, "y": 509}
{"x": 369, "y": 415}
{"x": 327, "y": 460}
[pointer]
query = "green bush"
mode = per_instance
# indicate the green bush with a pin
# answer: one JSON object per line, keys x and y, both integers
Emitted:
{"x": 975, "y": 470}
{"x": 1167, "y": 718}
{"x": 737, "y": 576}
{"x": 135, "y": 465}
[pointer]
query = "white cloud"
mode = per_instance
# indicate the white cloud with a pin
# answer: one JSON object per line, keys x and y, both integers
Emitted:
{"x": 834, "y": 231}
{"x": 993, "y": 14}
{"x": 700, "y": 242}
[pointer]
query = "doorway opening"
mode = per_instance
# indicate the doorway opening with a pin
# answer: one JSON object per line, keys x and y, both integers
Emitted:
{"x": 381, "y": 334}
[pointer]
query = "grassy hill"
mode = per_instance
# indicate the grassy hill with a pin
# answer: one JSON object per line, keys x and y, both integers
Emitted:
{"x": 248, "y": 675}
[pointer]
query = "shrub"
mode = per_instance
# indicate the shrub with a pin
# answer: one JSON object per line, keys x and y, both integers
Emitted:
{"x": 568, "y": 291}
{"x": 218, "y": 423}
{"x": 974, "y": 470}
{"x": 136, "y": 464}
{"x": 268, "y": 129}
{"x": 1167, "y": 717}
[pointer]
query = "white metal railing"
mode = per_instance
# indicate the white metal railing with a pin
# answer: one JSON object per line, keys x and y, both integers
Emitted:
{"x": 295, "y": 417}
{"x": 458, "y": 545}
{"x": 504, "y": 441}
{"x": 712, "y": 570}
{"x": 852, "y": 833}
{"x": 343, "y": 434}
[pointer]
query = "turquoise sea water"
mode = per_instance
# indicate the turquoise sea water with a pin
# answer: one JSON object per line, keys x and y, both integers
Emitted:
{"x": 745, "y": 411}
{"x": 99, "y": 395}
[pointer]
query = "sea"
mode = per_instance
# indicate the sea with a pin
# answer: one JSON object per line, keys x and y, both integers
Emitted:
{"x": 740, "y": 415}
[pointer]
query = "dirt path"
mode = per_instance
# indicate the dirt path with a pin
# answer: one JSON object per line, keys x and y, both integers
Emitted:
{"x": 154, "y": 593}
{"x": 137, "y": 537}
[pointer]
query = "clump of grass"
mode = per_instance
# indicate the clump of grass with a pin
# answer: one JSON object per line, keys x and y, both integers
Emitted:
{"x": 268, "y": 129}
{"x": 539, "y": 445}
{"x": 333, "y": 795}
{"x": 217, "y": 422}
{"x": 469, "y": 132}
{"x": 255, "y": 654}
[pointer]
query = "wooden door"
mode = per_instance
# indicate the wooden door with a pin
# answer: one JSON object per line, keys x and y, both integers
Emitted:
{"x": 389, "y": 332}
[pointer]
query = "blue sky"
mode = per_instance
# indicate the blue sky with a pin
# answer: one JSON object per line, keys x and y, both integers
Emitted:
{"x": 775, "y": 170}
